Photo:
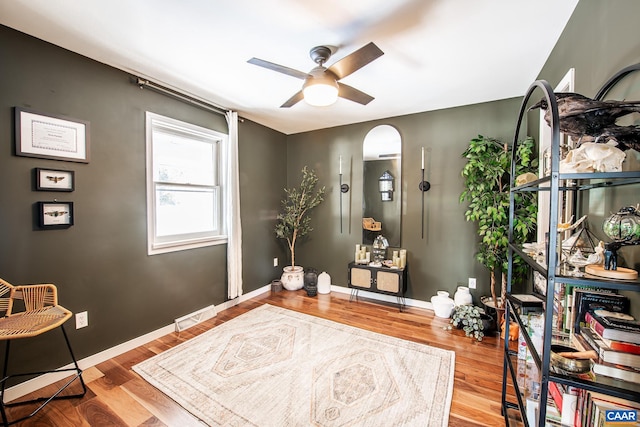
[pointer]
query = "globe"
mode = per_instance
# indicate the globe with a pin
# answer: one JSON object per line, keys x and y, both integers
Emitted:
{"x": 623, "y": 226}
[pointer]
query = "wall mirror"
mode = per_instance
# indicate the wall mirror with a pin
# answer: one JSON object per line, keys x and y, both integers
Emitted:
{"x": 381, "y": 189}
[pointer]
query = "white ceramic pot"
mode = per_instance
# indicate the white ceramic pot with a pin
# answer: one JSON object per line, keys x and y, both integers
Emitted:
{"x": 462, "y": 296}
{"x": 292, "y": 278}
{"x": 324, "y": 283}
{"x": 442, "y": 304}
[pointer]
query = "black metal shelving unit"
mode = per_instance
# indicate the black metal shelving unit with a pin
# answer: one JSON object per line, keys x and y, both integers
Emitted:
{"x": 556, "y": 183}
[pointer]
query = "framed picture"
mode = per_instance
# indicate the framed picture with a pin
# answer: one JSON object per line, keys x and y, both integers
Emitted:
{"x": 51, "y": 137}
{"x": 55, "y": 214}
{"x": 54, "y": 180}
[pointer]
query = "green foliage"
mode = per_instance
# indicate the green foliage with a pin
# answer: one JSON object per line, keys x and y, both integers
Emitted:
{"x": 293, "y": 222}
{"x": 469, "y": 318}
{"x": 487, "y": 180}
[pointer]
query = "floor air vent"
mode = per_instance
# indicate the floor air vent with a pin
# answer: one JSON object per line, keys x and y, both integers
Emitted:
{"x": 194, "y": 318}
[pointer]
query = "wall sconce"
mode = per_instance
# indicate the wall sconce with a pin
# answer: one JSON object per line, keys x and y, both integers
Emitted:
{"x": 385, "y": 186}
{"x": 344, "y": 188}
{"x": 423, "y": 186}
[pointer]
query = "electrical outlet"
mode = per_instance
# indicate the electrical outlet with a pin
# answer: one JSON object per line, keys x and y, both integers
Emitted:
{"x": 82, "y": 320}
{"x": 275, "y": 262}
{"x": 472, "y": 282}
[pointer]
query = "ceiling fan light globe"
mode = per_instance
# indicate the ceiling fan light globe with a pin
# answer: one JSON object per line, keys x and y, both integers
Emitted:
{"x": 320, "y": 95}
{"x": 320, "y": 88}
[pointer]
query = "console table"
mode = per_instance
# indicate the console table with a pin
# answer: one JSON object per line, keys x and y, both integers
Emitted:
{"x": 382, "y": 280}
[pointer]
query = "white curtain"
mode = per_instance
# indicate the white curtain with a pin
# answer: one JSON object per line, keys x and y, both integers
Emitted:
{"x": 232, "y": 206}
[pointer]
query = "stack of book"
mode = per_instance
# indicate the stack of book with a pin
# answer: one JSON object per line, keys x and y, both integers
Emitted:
{"x": 582, "y": 300}
{"x": 592, "y": 407}
{"x": 565, "y": 399}
{"x": 599, "y": 321}
{"x": 615, "y": 337}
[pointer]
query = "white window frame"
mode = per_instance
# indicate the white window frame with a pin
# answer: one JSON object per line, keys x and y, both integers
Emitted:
{"x": 179, "y": 242}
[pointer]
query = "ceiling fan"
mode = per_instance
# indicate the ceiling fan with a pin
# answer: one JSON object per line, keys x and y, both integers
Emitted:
{"x": 321, "y": 85}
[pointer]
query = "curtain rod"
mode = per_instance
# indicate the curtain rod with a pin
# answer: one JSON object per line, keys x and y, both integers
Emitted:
{"x": 142, "y": 83}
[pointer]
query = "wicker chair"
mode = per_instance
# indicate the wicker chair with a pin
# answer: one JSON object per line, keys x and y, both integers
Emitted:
{"x": 29, "y": 311}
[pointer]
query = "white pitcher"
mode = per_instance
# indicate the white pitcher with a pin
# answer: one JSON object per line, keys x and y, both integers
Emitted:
{"x": 442, "y": 304}
{"x": 462, "y": 296}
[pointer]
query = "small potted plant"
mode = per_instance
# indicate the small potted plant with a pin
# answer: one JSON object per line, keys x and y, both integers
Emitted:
{"x": 472, "y": 320}
{"x": 293, "y": 222}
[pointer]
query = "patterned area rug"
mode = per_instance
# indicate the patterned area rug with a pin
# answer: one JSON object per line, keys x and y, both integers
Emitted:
{"x": 277, "y": 367}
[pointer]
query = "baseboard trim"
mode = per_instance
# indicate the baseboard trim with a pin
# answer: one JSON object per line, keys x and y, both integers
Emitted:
{"x": 41, "y": 381}
{"x": 383, "y": 297}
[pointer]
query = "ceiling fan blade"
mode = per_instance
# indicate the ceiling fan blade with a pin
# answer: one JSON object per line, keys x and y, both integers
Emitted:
{"x": 299, "y": 96}
{"x": 353, "y": 94}
{"x": 356, "y": 60}
{"x": 279, "y": 68}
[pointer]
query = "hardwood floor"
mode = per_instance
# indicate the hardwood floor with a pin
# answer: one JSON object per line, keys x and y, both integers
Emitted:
{"x": 117, "y": 396}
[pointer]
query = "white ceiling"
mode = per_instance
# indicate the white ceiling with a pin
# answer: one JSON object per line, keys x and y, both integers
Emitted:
{"x": 438, "y": 53}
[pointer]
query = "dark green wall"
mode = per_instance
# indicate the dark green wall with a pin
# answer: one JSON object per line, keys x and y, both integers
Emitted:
{"x": 100, "y": 264}
{"x": 599, "y": 39}
{"x": 263, "y": 174}
{"x": 445, "y": 257}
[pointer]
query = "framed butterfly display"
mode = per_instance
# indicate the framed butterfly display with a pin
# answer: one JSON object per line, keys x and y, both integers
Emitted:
{"x": 55, "y": 214}
{"x": 54, "y": 180}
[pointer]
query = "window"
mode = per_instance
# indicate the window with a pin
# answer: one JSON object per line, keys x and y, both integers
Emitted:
{"x": 184, "y": 185}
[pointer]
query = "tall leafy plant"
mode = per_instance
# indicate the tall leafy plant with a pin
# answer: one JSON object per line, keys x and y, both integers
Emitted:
{"x": 487, "y": 181}
{"x": 294, "y": 222}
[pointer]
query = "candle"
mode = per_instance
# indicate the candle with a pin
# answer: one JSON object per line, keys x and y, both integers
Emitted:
{"x": 422, "y": 158}
{"x": 361, "y": 253}
{"x": 340, "y": 165}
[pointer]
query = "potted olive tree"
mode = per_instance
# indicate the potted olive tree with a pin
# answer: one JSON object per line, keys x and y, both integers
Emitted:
{"x": 486, "y": 188}
{"x": 294, "y": 222}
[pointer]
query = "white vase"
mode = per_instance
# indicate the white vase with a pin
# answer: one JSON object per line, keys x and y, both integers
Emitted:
{"x": 292, "y": 278}
{"x": 462, "y": 296}
{"x": 324, "y": 283}
{"x": 442, "y": 304}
